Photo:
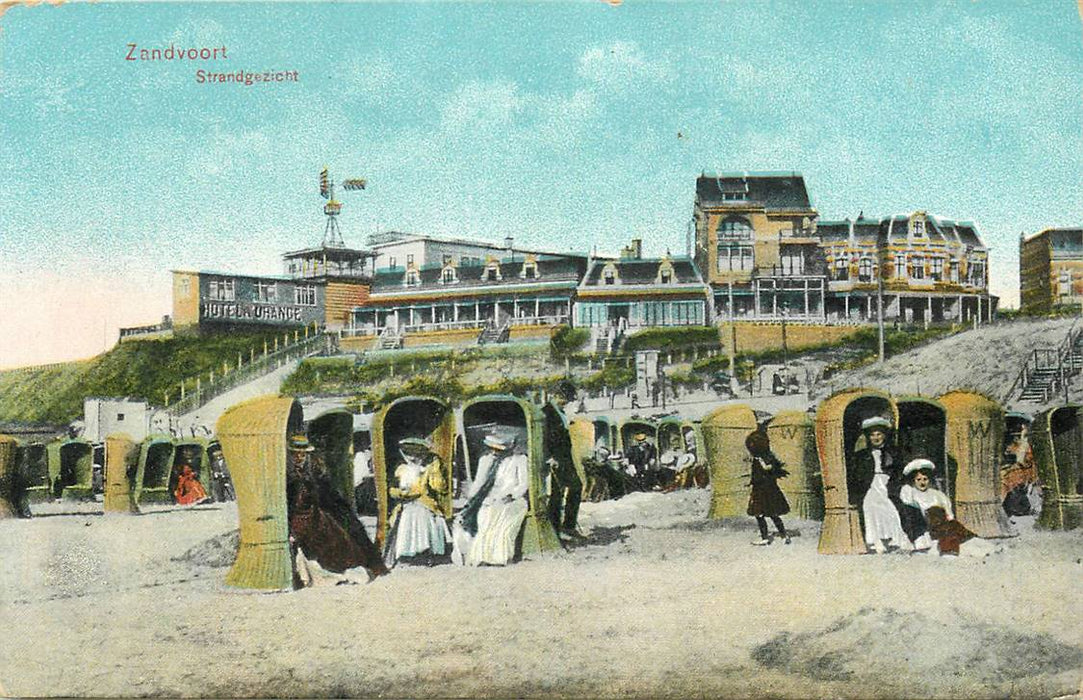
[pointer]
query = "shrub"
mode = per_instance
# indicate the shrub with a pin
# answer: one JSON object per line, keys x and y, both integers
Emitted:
{"x": 668, "y": 339}
{"x": 566, "y": 340}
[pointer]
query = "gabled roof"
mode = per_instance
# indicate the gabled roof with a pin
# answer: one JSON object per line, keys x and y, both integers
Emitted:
{"x": 772, "y": 191}
{"x": 936, "y": 229}
{"x": 643, "y": 271}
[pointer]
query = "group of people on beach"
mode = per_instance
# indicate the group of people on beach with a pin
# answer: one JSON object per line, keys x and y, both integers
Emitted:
{"x": 324, "y": 528}
{"x": 900, "y": 508}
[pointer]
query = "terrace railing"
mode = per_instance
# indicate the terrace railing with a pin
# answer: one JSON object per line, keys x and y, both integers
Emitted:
{"x": 195, "y": 392}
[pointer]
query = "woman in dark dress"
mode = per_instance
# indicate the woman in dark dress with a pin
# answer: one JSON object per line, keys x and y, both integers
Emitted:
{"x": 766, "y": 499}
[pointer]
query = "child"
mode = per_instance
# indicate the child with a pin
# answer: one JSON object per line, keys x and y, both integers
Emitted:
{"x": 766, "y": 499}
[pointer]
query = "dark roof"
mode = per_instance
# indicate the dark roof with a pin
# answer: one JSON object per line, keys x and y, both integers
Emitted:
{"x": 865, "y": 229}
{"x": 550, "y": 269}
{"x": 331, "y": 252}
{"x": 1066, "y": 239}
{"x": 772, "y": 191}
{"x": 644, "y": 271}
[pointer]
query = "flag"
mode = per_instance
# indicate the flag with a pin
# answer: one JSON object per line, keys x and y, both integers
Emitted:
{"x": 325, "y": 184}
{"x": 354, "y": 184}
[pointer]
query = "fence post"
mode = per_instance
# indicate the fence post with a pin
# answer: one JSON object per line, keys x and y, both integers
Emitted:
{"x": 182, "y": 391}
{"x": 211, "y": 381}
{"x": 199, "y": 389}
{"x": 276, "y": 343}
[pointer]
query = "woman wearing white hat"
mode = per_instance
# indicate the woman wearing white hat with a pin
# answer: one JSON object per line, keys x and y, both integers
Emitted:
{"x": 944, "y": 534}
{"x": 874, "y": 481}
{"x": 496, "y": 507}
{"x": 418, "y": 527}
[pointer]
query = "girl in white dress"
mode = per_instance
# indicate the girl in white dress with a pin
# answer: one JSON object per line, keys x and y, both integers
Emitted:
{"x": 417, "y": 523}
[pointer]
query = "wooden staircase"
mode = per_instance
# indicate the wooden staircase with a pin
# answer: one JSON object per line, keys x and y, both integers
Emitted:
{"x": 1048, "y": 370}
{"x": 492, "y": 334}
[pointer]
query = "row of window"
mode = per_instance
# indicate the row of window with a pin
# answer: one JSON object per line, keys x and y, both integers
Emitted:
{"x": 266, "y": 292}
{"x": 652, "y": 313}
{"x": 449, "y": 275}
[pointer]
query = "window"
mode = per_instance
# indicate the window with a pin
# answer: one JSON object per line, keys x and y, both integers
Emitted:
{"x": 900, "y": 266}
{"x": 842, "y": 269}
{"x": 918, "y": 272}
{"x": 977, "y": 273}
{"x": 954, "y": 267}
{"x": 864, "y": 270}
{"x": 610, "y": 277}
{"x": 917, "y": 227}
{"x": 491, "y": 274}
{"x": 793, "y": 263}
{"x": 409, "y": 259}
{"x": 937, "y": 268}
{"x": 667, "y": 276}
{"x": 447, "y": 259}
{"x": 1065, "y": 286}
{"x": 185, "y": 286}
{"x": 530, "y": 270}
{"x": 222, "y": 290}
{"x": 412, "y": 278}
{"x": 733, "y": 257}
{"x": 447, "y": 275}
{"x": 304, "y": 295}
{"x": 265, "y": 292}
{"x": 392, "y": 261}
{"x": 734, "y": 196}
{"x": 735, "y": 229}
{"x": 120, "y": 416}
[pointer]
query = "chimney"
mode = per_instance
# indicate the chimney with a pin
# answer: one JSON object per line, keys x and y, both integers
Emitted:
{"x": 637, "y": 248}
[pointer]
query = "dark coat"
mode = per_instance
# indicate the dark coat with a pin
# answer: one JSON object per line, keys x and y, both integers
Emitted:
{"x": 859, "y": 476}
{"x": 324, "y": 527}
{"x": 766, "y": 498}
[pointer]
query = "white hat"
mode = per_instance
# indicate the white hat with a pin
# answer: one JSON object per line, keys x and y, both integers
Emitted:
{"x": 917, "y": 465}
{"x": 497, "y": 442}
{"x": 876, "y": 422}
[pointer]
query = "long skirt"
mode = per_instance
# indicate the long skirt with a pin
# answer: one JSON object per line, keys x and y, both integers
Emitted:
{"x": 882, "y": 520}
{"x": 498, "y": 528}
{"x": 416, "y": 530}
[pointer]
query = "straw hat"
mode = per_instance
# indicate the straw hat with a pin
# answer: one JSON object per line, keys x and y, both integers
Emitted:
{"x": 640, "y": 436}
{"x": 415, "y": 443}
{"x": 876, "y": 422}
{"x": 918, "y": 465}
{"x": 300, "y": 443}
{"x": 497, "y": 442}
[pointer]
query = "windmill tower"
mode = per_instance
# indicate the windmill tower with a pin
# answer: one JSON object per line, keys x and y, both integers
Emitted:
{"x": 332, "y": 235}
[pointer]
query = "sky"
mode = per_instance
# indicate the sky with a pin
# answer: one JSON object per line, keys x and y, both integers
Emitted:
{"x": 563, "y": 124}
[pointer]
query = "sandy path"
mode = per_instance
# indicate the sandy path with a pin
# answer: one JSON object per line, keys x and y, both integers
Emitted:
{"x": 662, "y": 603}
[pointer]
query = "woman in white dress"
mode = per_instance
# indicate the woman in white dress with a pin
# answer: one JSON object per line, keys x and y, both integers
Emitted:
{"x": 945, "y": 535}
{"x": 496, "y": 506}
{"x": 417, "y": 523}
{"x": 875, "y": 479}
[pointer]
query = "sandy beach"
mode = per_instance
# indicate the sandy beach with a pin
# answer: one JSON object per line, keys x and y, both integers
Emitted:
{"x": 658, "y": 602}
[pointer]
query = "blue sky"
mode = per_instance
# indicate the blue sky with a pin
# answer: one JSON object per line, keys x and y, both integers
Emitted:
{"x": 556, "y": 123}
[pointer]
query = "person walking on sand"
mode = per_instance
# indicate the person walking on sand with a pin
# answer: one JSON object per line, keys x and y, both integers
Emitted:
{"x": 766, "y": 499}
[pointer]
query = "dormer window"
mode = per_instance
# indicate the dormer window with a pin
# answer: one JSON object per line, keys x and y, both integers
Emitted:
{"x": 448, "y": 276}
{"x": 491, "y": 273}
{"x": 530, "y": 269}
{"x": 917, "y": 228}
{"x": 609, "y": 274}
{"x": 412, "y": 278}
{"x": 665, "y": 272}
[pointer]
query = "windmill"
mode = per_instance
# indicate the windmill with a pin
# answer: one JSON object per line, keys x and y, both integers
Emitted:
{"x": 332, "y": 236}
